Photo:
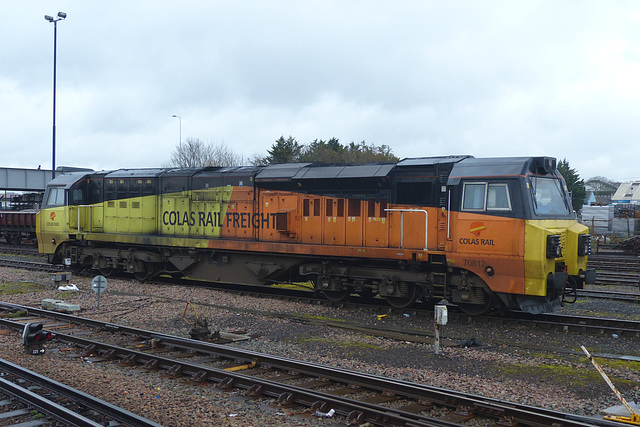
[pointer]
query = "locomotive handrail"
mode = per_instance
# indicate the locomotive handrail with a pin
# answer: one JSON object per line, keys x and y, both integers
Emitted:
{"x": 90, "y": 217}
{"x": 426, "y": 225}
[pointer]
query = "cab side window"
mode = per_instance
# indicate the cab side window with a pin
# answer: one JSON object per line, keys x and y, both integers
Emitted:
{"x": 483, "y": 196}
{"x": 473, "y": 196}
{"x": 498, "y": 197}
{"x": 55, "y": 197}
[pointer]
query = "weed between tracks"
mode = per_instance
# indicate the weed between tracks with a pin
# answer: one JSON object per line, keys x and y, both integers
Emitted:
{"x": 571, "y": 375}
{"x": 12, "y": 288}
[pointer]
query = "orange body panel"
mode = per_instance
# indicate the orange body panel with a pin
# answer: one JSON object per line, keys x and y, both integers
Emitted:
{"x": 311, "y": 225}
{"x": 354, "y": 226}
{"x": 334, "y": 222}
{"x": 485, "y": 244}
{"x": 286, "y": 222}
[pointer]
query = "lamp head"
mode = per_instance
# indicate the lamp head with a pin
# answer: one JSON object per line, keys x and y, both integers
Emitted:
{"x": 48, "y": 18}
{"x": 62, "y": 15}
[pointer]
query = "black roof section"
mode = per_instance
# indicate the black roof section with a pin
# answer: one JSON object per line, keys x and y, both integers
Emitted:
{"x": 280, "y": 172}
{"x": 66, "y": 180}
{"x": 135, "y": 173}
{"x": 500, "y": 167}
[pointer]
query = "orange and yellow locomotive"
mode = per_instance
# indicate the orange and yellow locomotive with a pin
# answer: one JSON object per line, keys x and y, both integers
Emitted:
{"x": 482, "y": 233}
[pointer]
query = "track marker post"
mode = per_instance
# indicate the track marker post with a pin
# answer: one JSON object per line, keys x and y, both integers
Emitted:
{"x": 440, "y": 317}
{"x": 99, "y": 285}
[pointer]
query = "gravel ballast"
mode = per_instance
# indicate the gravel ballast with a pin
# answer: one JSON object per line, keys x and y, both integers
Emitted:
{"x": 515, "y": 363}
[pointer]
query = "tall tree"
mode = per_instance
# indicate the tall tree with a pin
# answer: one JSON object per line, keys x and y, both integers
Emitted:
{"x": 331, "y": 151}
{"x": 363, "y": 153}
{"x": 323, "y": 151}
{"x": 602, "y": 186}
{"x": 574, "y": 184}
{"x": 194, "y": 152}
{"x": 284, "y": 151}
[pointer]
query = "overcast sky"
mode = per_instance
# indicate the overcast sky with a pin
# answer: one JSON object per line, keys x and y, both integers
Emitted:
{"x": 427, "y": 78}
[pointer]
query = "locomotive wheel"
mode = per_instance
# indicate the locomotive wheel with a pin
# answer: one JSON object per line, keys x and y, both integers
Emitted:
{"x": 336, "y": 296}
{"x": 106, "y": 271}
{"x": 477, "y": 309}
{"x": 142, "y": 275}
{"x": 406, "y": 301}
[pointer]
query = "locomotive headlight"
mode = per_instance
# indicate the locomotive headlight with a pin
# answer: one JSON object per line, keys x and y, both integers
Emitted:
{"x": 584, "y": 244}
{"x": 554, "y": 249}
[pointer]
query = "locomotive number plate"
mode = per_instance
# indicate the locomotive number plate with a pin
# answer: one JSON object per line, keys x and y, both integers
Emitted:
{"x": 474, "y": 262}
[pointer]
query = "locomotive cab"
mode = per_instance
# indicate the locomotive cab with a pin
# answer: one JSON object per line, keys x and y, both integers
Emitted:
{"x": 56, "y": 220}
{"x": 515, "y": 229}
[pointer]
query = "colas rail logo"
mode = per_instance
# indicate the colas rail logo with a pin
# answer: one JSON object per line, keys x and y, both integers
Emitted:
{"x": 476, "y": 228}
{"x": 52, "y": 216}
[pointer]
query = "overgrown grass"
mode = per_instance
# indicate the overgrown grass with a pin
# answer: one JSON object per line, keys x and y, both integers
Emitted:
{"x": 570, "y": 375}
{"x": 12, "y": 288}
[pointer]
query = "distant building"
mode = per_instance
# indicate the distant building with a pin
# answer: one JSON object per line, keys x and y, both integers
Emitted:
{"x": 627, "y": 193}
{"x": 591, "y": 199}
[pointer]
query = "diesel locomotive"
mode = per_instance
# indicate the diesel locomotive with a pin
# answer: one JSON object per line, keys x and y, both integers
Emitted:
{"x": 483, "y": 233}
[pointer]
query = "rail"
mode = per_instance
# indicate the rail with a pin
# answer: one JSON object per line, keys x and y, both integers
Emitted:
{"x": 426, "y": 225}
{"x": 228, "y": 371}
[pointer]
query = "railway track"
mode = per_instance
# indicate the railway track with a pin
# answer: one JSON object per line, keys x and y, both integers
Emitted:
{"x": 352, "y": 397}
{"x": 612, "y": 295}
{"x": 616, "y": 269}
{"x": 550, "y": 321}
{"x": 29, "y": 399}
{"x": 31, "y": 265}
{"x": 615, "y": 262}
{"x": 565, "y": 323}
{"x": 20, "y": 250}
{"x": 606, "y": 277}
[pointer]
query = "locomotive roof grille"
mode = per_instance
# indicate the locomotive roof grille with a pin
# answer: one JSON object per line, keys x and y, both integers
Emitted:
{"x": 360, "y": 171}
{"x": 426, "y": 161}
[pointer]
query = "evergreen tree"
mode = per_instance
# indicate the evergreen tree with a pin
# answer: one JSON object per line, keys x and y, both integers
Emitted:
{"x": 323, "y": 151}
{"x": 574, "y": 184}
{"x": 284, "y": 151}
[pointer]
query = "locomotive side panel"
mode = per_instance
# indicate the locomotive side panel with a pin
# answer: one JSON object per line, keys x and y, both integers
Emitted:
{"x": 492, "y": 248}
{"x": 376, "y": 225}
{"x": 334, "y": 223}
{"x": 279, "y": 219}
{"x": 412, "y": 228}
{"x": 311, "y": 222}
{"x": 355, "y": 223}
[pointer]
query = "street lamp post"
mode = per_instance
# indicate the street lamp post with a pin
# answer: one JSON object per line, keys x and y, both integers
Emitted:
{"x": 180, "y": 142}
{"x": 60, "y": 17}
